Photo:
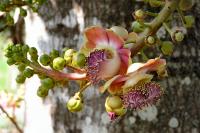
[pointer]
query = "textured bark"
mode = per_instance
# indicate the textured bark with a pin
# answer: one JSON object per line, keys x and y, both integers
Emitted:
{"x": 182, "y": 91}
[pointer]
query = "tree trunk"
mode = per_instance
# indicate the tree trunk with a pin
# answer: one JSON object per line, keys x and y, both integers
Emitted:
{"x": 178, "y": 110}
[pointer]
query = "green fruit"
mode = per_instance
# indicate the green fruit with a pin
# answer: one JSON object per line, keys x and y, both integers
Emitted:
{"x": 47, "y": 83}
{"x": 78, "y": 59}
{"x": 42, "y": 91}
{"x": 120, "y": 31}
{"x": 10, "y": 61}
{"x": 21, "y": 67}
{"x": 23, "y": 12}
{"x": 54, "y": 53}
{"x": 167, "y": 47}
{"x": 68, "y": 60}
{"x": 20, "y": 78}
{"x": 185, "y": 5}
{"x": 59, "y": 63}
{"x": 28, "y": 72}
{"x": 189, "y": 21}
{"x": 33, "y": 51}
{"x": 137, "y": 27}
{"x": 45, "y": 59}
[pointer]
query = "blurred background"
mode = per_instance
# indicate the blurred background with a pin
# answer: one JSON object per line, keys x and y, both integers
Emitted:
{"x": 59, "y": 24}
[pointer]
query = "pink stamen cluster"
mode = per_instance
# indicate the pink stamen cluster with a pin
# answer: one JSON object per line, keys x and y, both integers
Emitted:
{"x": 93, "y": 64}
{"x": 138, "y": 98}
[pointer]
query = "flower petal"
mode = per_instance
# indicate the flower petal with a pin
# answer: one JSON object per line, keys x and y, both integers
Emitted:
{"x": 95, "y": 36}
{"x": 114, "y": 40}
{"x": 124, "y": 55}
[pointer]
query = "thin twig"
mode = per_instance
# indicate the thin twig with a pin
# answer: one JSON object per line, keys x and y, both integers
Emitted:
{"x": 11, "y": 119}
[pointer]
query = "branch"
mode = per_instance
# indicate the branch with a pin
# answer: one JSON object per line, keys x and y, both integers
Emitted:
{"x": 155, "y": 24}
{"x": 11, "y": 119}
{"x": 57, "y": 75}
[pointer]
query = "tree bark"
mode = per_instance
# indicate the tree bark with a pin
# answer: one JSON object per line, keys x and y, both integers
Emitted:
{"x": 180, "y": 103}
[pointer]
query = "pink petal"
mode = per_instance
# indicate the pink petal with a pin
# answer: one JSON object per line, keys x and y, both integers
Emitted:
{"x": 114, "y": 40}
{"x": 95, "y": 35}
{"x": 124, "y": 55}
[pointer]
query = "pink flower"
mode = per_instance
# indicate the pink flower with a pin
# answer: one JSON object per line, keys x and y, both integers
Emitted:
{"x": 136, "y": 73}
{"x": 106, "y": 55}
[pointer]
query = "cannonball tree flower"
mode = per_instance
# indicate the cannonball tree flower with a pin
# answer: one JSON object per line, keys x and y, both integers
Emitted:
{"x": 106, "y": 55}
{"x": 136, "y": 88}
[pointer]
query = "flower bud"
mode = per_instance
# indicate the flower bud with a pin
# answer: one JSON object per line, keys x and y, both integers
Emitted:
{"x": 167, "y": 47}
{"x": 68, "y": 52}
{"x": 155, "y": 3}
{"x": 115, "y": 104}
{"x": 189, "y": 21}
{"x": 28, "y": 72}
{"x": 33, "y": 51}
{"x": 42, "y": 91}
{"x": 178, "y": 36}
{"x": 10, "y": 61}
{"x": 139, "y": 14}
{"x": 78, "y": 59}
{"x": 150, "y": 40}
{"x": 45, "y": 60}
{"x": 25, "y": 48}
{"x": 21, "y": 67}
{"x": 137, "y": 27}
{"x": 47, "y": 83}
{"x": 54, "y": 53}
{"x": 185, "y": 5}
{"x": 120, "y": 31}
{"x": 75, "y": 103}
{"x": 20, "y": 78}
{"x": 23, "y": 12}
{"x": 59, "y": 63}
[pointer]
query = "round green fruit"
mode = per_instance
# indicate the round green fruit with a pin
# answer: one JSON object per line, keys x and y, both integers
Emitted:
{"x": 20, "y": 78}
{"x": 28, "y": 72}
{"x": 42, "y": 91}
{"x": 45, "y": 59}
{"x": 47, "y": 83}
{"x": 59, "y": 63}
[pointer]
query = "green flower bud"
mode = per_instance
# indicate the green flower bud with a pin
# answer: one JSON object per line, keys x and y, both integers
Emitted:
{"x": 139, "y": 14}
{"x": 42, "y": 91}
{"x": 33, "y": 51}
{"x": 68, "y": 60}
{"x": 47, "y": 83}
{"x": 45, "y": 59}
{"x": 18, "y": 57}
{"x": 41, "y": 76}
{"x": 78, "y": 59}
{"x": 120, "y": 31}
{"x": 167, "y": 47}
{"x": 69, "y": 53}
{"x": 75, "y": 103}
{"x": 9, "y": 19}
{"x": 23, "y": 12}
{"x": 115, "y": 104}
{"x": 10, "y": 61}
{"x": 21, "y": 67}
{"x": 28, "y": 72}
{"x": 59, "y": 63}
{"x": 25, "y": 48}
{"x": 54, "y": 53}
{"x": 150, "y": 40}
{"x": 155, "y": 3}
{"x": 185, "y": 5}
{"x": 189, "y": 21}
{"x": 34, "y": 58}
{"x": 137, "y": 27}
{"x": 20, "y": 78}
{"x": 178, "y": 36}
